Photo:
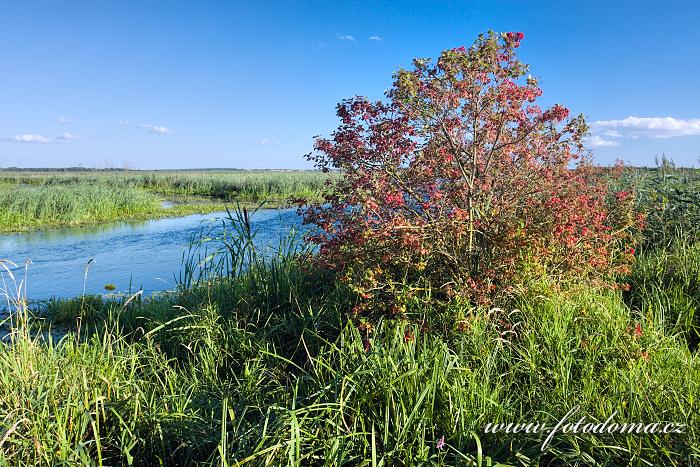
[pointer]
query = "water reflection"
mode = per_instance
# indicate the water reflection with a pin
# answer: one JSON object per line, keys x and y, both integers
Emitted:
{"x": 8, "y": 240}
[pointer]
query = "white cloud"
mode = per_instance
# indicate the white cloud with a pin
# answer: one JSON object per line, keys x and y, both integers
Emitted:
{"x": 345, "y": 37}
{"x": 30, "y": 139}
{"x": 375, "y": 38}
{"x": 163, "y": 130}
{"x": 648, "y": 127}
{"x": 597, "y": 141}
{"x": 159, "y": 129}
{"x": 64, "y": 119}
{"x": 264, "y": 141}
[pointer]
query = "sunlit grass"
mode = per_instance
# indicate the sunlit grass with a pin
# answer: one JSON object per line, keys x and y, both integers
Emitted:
{"x": 253, "y": 362}
{"x": 27, "y": 206}
{"x": 231, "y": 375}
{"x": 46, "y": 199}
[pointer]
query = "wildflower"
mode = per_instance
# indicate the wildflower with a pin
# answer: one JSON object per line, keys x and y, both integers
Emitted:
{"x": 408, "y": 336}
{"x": 367, "y": 345}
{"x": 638, "y": 330}
{"x": 441, "y": 443}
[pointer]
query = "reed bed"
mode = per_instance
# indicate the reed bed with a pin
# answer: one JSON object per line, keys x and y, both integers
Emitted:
{"x": 225, "y": 184}
{"x": 25, "y": 206}
{"x": 50, "y": 198}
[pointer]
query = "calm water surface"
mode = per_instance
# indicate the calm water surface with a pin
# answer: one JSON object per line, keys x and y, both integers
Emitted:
{"x": 130, "y": 255}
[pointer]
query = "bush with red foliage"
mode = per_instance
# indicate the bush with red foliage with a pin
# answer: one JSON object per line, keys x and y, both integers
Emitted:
{"x": 460, "y": 185}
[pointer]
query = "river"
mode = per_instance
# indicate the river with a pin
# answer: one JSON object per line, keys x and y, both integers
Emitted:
{"x": 131, "y": 256}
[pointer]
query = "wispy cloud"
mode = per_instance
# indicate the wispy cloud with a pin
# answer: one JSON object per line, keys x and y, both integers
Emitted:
{"x": 375, "y": 38}
{"x": 345, "y": 37}
{"x": 30, "y": 139}
{"x": 157, "y": 129}
{"x": 163, "y": 130}
{"x": 647, "y": 127}
{"x": 263, "y": 141}
{"x": 598, "y": 141}
{"x": 64, "y": 119}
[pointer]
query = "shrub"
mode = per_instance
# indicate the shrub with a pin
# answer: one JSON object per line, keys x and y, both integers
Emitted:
{"x": 460, "y": 185}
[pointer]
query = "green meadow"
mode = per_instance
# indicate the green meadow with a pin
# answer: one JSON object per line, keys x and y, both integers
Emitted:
{"x": 50, "y": 198}
{"x": 260, "y": 365}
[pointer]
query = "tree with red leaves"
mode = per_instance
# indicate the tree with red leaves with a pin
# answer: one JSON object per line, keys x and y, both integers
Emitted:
{"x": 460, "y": 185}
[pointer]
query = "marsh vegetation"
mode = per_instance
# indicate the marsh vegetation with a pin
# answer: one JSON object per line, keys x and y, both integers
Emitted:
{"x": 36, "y": 199}
{"x": 259, "y": 364}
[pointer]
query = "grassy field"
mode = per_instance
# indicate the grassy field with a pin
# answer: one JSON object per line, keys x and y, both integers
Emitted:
{"x": 34, "y": 199}
{"x": 259, "y": 365}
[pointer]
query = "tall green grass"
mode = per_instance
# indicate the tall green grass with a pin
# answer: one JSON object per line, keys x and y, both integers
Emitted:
{"x": 253, "y": 362}
{"x": 239, "y": 185}
{"x": 669, "y": 197}
{"x": 218, "y": 386}
{"x": 48, "y": 198}
{"x": 257, "y": 365}
{"x": 666, "y": 287}
{"x": 26, "y": 206}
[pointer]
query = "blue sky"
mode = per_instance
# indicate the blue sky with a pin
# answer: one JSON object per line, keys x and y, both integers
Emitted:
{"x": 183, "y": 84}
